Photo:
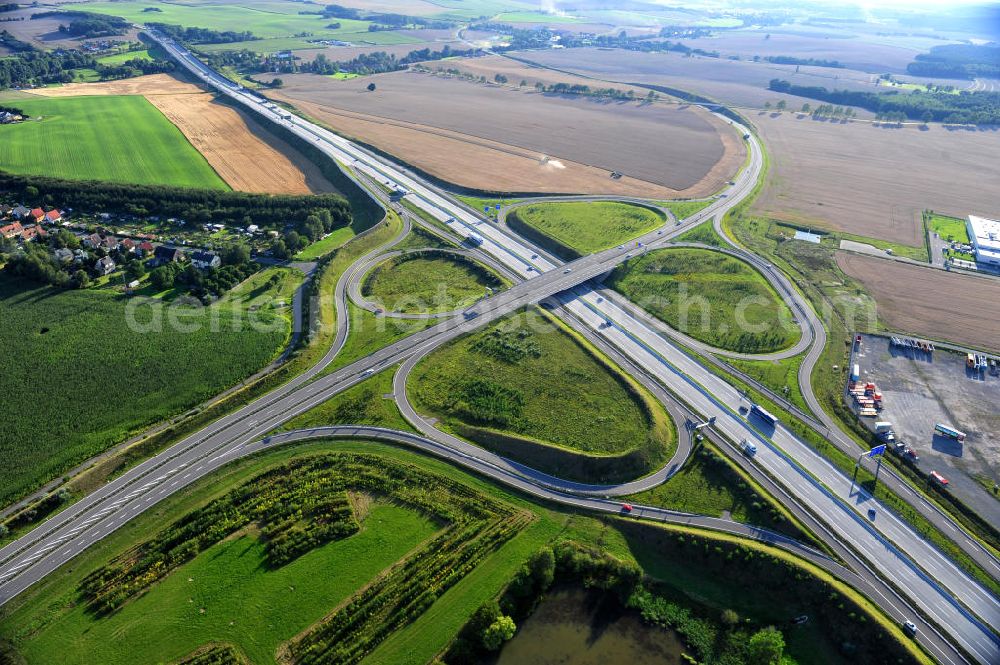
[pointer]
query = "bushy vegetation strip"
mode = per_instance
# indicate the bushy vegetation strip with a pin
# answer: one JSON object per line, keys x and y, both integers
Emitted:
{"x": 216, "y": 654}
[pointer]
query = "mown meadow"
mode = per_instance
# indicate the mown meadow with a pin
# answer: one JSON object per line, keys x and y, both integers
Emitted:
{"x": 115, "y": 138}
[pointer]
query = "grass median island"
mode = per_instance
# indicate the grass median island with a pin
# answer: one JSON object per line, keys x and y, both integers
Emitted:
{"x": 428, "y": 282}
{"x": 576, "y": 228}
{"x": 94, "y": 380}
{"x": 253, "y": 608}
{"x": 708, "y": 484}
{"x": 115, "y": 138}
{"x": 713, "y": 297}
{"x": 684, "y": 209}
{"x": 528, "y": 388}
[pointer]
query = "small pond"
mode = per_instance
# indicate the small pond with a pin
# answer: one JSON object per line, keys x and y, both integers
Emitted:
{"x": 579, "y": 627}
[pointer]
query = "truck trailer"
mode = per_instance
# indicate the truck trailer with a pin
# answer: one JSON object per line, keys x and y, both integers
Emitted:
{"x": 950, "y": 432}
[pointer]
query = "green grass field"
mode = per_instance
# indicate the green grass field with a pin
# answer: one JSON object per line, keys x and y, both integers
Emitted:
{"x": 93, "y": 380}
{"x": 233, "y": 597}
{"x": 781, "y": 376}
{"x": 684, "y": 209}
{"x": 120, "y": 58}
{"x": 703, "y": 233}
{"x": 270, "y": 290}
{"x": 528, "y": 388}
{"x": 715, "y": 298}
{"x": 578, "y": 228}
{"x": 418, "y": 283}
{"x": 324, "y": 246}
{"x": 256, "y": 608}
{"x": 363, "y": 404}
{"x": 115, "y": 138}
{"x": 708, "y": 485}
{"x": 949, "y": 228}
{"x": 369, "y": 333}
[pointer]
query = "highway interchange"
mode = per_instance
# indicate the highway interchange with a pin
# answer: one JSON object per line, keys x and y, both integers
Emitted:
{"x": 962, "y": 611}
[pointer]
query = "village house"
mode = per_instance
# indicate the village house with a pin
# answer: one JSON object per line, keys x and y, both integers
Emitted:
{"x": 11, "y": 230}
{"x": 127, "y": 245}
{"x": 165, "y": 255}
{"x": 36, "y": 215}
{"x": 53, "y": 217}
{"x": 20, "y": 212}
{"x": 104, "y": 266}
{"x": 79, "y": 256}
{"x": 93, "y": 241}
{"x": 205, "y": 260}
{"x": 31, "y": 233}
{"x": 5, "y": 209}
{"x": 146, "y": 248}
{"x": 63, "y": 255}
{"x": 109, "y": 243}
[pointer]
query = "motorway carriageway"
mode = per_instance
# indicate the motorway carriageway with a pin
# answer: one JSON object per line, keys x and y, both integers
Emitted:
{"x": 813, "y": 480}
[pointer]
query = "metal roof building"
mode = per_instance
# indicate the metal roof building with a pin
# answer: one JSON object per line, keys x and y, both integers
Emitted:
{"x": 985, "y": 236}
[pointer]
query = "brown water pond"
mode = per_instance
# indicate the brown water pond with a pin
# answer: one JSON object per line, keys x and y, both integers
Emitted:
{"x": 574, "y": 626}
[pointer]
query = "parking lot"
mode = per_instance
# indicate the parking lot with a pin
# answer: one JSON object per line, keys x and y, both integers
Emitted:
{"x": 920, "y": 389}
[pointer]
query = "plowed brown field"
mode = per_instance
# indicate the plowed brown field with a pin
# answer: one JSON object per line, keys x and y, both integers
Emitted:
{"x": 492, "y": 138}
{"x": 245, "y": 155}
{"x": 874, "y": 181}
{"x": 930, "y": 303}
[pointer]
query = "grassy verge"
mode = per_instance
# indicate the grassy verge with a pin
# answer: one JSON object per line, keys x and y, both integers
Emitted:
{"x": 703, "y": 233}
{"x": 574, "y": 229}
{"x": 327, "y": 244}
{"x": 781, "y": 376}
{"x": 368, "y": 403}
{"x": 528, "y": 388}
{"x": 709, "y": 484}
{"x": 948, "y": 228}
{"x": 684, "y": 209}
{"x": 713, "y": 297}
{"x": 369, "y": 333}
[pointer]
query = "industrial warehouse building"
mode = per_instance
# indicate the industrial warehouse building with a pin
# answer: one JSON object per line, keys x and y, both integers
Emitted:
{"x": 985, "y": 236}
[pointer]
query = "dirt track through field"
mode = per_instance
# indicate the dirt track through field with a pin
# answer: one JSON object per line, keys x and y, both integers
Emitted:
{"x": 963, "y": 309}
{"x": 244, "y": 154}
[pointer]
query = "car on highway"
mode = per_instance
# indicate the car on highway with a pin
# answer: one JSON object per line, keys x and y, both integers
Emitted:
{"x": 910, "y": 628}
{"x": 567, "y": 270}
{"x": 368, "y": 372}
{"x": 626, "y": 507}
{"x": 628, "y": 256}
{"x": 749, "y": 448}
{"x": 534, "y": 256}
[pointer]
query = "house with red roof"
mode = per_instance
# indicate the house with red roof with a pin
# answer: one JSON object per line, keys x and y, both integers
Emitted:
{"x": 146, "y": 247}
{"x": 36, "y": 215}
{"x": 32, "y": 233}
{"x": 11, "y": 230}
{"x": 53, "y": 216}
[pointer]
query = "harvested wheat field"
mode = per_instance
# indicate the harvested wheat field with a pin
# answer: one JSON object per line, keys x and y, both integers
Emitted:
{"x": 488, "y": 137}
{"x": 930, "y": 303}
{"x": 874, "y": 181}
{"x": 245, "y": 155}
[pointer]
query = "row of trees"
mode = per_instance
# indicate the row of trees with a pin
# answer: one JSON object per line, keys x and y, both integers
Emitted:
{"x": 965, "y": 107}
{"x": 203, "y": 35}
{"x": 197, "y": 206}
{"x": 33, "y": 67}
{"x": 958, "y": 61}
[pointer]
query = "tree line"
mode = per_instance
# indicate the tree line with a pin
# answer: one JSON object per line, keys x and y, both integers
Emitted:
{"x": 963, "y": 108}
{"x": 959, "y": 61}
{"x": 197, "y": 206}
{"x": 88, "y": 24}
{"x": 812, "y": 62}
{"x": 364, "y": 64}
{"x": 34, "y": 67}
{"x": 186, "y": 35}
